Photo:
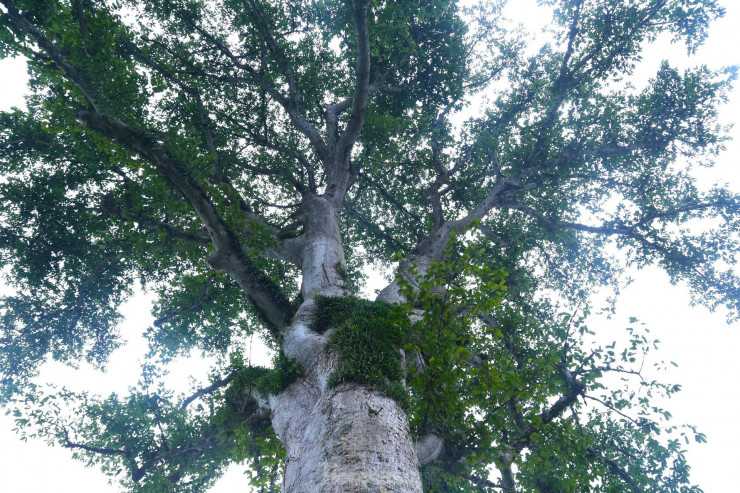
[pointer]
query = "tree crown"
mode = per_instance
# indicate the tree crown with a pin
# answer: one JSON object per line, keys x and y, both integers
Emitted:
{"x": 199, "y": 148}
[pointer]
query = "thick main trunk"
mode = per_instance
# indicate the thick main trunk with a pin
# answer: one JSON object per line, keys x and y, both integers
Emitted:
{"x": 346, "y": 438}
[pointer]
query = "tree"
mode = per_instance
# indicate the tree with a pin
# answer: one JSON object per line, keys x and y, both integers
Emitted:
{"x": 245, "y": 162}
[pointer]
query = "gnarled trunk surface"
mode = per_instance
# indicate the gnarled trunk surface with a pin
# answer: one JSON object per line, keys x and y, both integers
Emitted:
{"x": 344, "y": 439}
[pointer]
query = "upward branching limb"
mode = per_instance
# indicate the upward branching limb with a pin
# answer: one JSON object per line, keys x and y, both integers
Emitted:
{"x": 334, "y": 111}
{"x": 560, "y": 89}
{"x": 288, "y": 104}
{"x": 614, "y": 47}
{"x": 277, "y": 52}
{"x": 362, "y": 79}
{"x": 338, "y": 174}
{"x": 266, "y": 296}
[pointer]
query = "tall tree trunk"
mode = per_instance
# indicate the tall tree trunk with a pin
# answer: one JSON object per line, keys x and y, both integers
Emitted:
{"x": 346, "y": 438}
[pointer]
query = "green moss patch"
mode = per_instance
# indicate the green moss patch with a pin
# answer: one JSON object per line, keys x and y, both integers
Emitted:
{"x": 279, "y": 377}
{"x": 368, "y": 338}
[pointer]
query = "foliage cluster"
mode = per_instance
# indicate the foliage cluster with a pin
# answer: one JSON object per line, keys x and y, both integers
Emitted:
{"x": 165, "y": 440}
{"x": 491, "y": 373}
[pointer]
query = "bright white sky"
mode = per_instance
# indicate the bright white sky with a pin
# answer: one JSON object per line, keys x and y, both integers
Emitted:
{"x": 703, "y": 345}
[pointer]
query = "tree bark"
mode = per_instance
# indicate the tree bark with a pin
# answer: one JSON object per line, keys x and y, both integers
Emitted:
{"x": 344, "y": 439}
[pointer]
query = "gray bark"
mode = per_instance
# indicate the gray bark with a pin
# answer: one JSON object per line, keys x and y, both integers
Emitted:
{"x": 344, "y": 439}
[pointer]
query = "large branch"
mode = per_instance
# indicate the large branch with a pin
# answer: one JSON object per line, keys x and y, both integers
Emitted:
{"x": 362, "y": 79}
{"x": 268, "y": 299}
{"x": 433, "y": 245}
{"x": 567, "y": 399}
{"x": 334, "y": 111}
{"x": 338, "y": 172}
{"x": 429, "y": 448}
{"x": 273, "y": 307}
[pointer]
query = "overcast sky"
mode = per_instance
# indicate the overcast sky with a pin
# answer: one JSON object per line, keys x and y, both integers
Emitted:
{"x": 703, "y": 345}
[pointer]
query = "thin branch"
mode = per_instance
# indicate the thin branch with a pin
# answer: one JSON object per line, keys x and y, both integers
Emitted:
{"x": 204, "y": 297}
{"x": 614, "y": 409}
{"x": 389, "y": 197}
{"x": 126, "y": 213}
{"x": 88, "y": 448}
{"x": 628, "y": 231}
{"x": 281, "y": 172}
{"x": 616, "y": 47}
{"x": 478, "y": 481}
{"x": 375, "y": 229}
{"x": 291, "y": 152}
{"x": 495, "y": 238}
{"x": 96, "y": 450}
{"x": 207, "y": 442}
{"x": 218, "y": 384}
{"x": 733, "y": 204}
{"x": 277, "y": 51}
{"x": 288, "y": 104}
{"x": 603, "y": 369}
{"x": 615, "y": 469}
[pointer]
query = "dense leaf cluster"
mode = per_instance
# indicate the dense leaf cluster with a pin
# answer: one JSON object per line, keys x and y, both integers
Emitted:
{"x": 532, "y": 390}
{"x": 368, "y": 339}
